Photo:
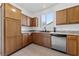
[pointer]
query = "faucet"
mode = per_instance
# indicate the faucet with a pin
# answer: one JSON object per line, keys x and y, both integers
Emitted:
{"x": 54, "y": 29}
{"x": 45, "y": 29}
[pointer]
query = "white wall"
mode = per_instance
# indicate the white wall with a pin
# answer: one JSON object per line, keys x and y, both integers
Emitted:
{"x": 60, "y": 6}
{"x": 22, "y": 9}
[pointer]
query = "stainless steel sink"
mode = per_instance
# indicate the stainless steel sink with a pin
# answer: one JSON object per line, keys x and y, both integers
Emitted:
{"x": 44, "y": 31}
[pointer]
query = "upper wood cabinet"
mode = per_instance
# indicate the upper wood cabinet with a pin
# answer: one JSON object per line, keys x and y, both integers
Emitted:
{"x": 61, "y": 17}
{"x": 72, "y": 44}
{"x": 68, "y": 16}
{"x": 11, "y": 11}
{"x": 73, "y": 14}
{"x": 25, "y": 20}
{"x": 33, "y": 22}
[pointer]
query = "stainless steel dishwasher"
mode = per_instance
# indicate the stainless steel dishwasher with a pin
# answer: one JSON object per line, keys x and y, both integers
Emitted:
{"x": 58, "y": 42}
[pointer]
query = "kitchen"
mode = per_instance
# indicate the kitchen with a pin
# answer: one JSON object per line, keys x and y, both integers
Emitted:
{"x": 48, "y": 26}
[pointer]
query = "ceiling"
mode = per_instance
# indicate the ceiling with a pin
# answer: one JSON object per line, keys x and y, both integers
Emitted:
{"x": 35, "y": 7}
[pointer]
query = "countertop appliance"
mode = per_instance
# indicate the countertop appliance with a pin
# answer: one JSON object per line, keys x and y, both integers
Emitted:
{"x": 58, "y": 42}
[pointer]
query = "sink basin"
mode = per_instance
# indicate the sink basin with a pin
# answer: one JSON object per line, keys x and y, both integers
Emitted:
{"x": 44, "y": 31}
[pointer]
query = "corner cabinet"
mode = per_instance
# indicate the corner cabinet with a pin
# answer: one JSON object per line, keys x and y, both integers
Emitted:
{"x": 27, "y": 39}
{"x": 72, "y": 44}
{"x": 61, "y": 17}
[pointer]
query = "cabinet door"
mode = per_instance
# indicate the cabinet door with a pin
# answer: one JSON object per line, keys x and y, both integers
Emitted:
{"x": 10, "y": 36}
{"x": 18, "y": 27}
{"x": 13, "y": 43}
{"x": 10, "y": 27}
{"x": 23, "y": 20}
{"x": 73, "y": 14}
{"x": 47, "y": 40}
{"x": 12, "y": 12}
{"x": 78, "y": 45}
{"x": 19, "y": 42}
{"x": 25, "y": 39}
{"x": 29, "y": 38}
{"x": 33, "y": 22}
{"x": 72, "y": 45}
{"x": 37, "y": 38}
{"x": 61, "y": 17}
{"x": 10, "y": 44}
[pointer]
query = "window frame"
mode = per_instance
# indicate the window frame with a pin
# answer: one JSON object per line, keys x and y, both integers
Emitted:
{"x": 45, "y": 19}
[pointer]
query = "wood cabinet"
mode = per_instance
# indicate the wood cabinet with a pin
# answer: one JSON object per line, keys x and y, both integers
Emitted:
{"x": 19, "y": 41}
{"x": 33, "y": 22}
{"x": 78, "y": 45}
{"x": 10, "y": 45}
{"x": 13, "y": 39}
{"x": 42, "y": 39}
{"x": 68, "y": 16}
{"x": 73, "y": 14}
{"x": 61, "y": 17}
{"x": 46, "y": 40}
{"x": 12, "y": 29}
{"x": 72, "y": 44}
{"x": 10, "y": 37}
{"x": 12, "y": 12}
{"x": 28, "y": 21}
{"x": 26, "y": 39}
{"x": 37, "y": 38}
{"x": 25, "y": 20}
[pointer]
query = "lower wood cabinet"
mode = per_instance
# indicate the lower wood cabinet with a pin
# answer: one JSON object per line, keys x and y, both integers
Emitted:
{"x": 42, "y": 39}
{"x": 78, "y": 45}
{"x": 26, "y": 39}
{"x": 19, "y": 41}
{"x": 12, "y": 39}
{"x": 10, "y": 44}
{"x": 72, "y": 44}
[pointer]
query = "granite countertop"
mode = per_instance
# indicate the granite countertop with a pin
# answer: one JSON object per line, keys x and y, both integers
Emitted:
{"x": 58, "y": 32}
{"x": 66, "y": 32}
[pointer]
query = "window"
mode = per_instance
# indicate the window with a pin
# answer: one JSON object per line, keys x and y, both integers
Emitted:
{"x": 49, "y": 18}
{"x": 46, "y": 18}
{"x": 43, "y": 21}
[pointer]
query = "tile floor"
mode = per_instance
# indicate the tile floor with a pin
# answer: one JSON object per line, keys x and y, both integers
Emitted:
{"x": 36, "y": 50}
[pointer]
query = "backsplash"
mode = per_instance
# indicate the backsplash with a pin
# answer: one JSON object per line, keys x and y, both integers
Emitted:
{"x": 68, "y": 27}
{"x": 27, "y": 29}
